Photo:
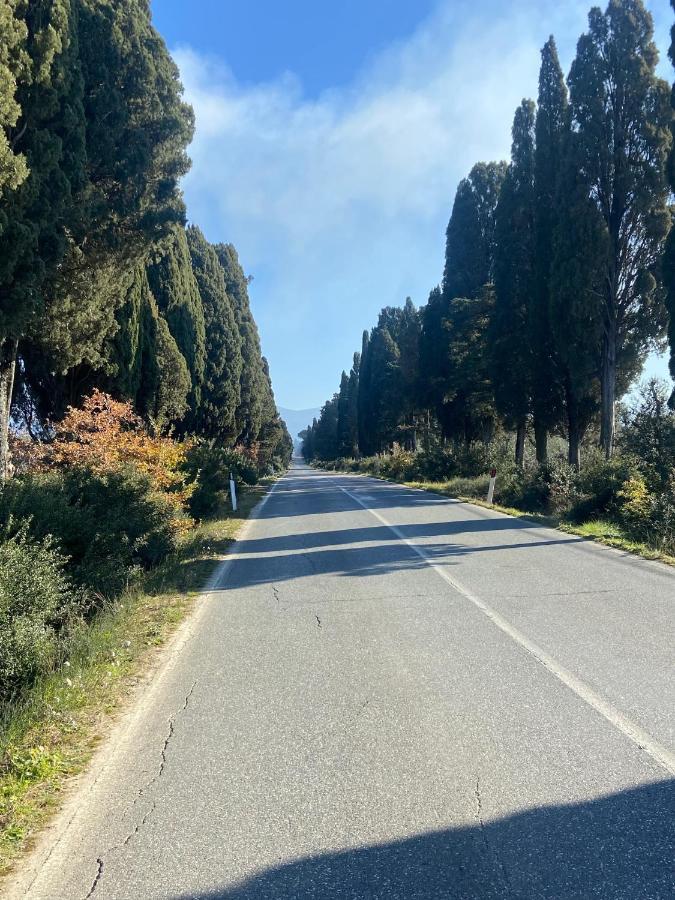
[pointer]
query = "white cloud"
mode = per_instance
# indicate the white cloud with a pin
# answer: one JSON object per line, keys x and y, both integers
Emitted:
{"x": 338, "y": 204}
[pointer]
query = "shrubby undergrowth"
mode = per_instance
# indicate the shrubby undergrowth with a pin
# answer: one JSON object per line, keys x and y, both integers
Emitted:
{"x": 101, "y": 501}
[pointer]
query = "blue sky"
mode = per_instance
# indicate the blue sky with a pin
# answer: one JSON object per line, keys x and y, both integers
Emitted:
{"x": 330, "y": 142}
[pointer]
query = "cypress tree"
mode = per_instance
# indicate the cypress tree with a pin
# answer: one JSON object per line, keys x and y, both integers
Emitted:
{"x": 325, "y": 431}
{"x": 221, "y": 391}
{"x": 470, "y": 236}
{"x": 353, "y": 407}
{"x": 384, "y": 387}
{"x": 510, "y": 350}
{"x": 622, "y": 114}
{"x": 13, "y": 62}
{"x": 343, "y": 436}
{"x": 364, "y": 417}
{"x": 469, "y": 399}
{"x": 249, "y": 414}
{"x": 668, "y": 267}
{"x": 175, "y": 289}
{"x": 550, "y": 129}
{"x": 35, "y": 219}
{"x": 579, "y": 248}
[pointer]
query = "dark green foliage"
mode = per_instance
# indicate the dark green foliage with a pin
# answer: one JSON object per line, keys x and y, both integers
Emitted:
{"x": 576, "y": 283}
{"x": 249, "y": 415}
{"x": 105, "y": 524}
{"x": 221, "y": 391}
{"x": 668, "y": 265}
{"x": 469, "y": 411}
{"x": 36, "y": 596}
{"x": 149, "y": 369}
{"x": 510, "y": 338}
{"x": 13, "y": 60}
{"x": 363, "y": 401}
{"x": 325, "y": 444}
{"x": 175, "y": 289}
{"x": 209, "y": 470}
{"x": 344, "y": 443}
{"x": 621, "y": 113}
{"x": 551, "y": 126}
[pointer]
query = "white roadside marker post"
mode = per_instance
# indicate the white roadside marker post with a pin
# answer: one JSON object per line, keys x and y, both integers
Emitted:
{"x": 233, "y": 493}
{"x": 491, "y": 488}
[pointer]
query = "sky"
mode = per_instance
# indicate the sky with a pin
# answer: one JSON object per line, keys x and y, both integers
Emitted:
{"x": 329, "y": 142}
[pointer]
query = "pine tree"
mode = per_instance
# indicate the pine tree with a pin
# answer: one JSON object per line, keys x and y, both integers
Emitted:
{"x": 550, "y": 129}
{"x": 249, "y": 415}
{"x": 221, "y": 391}
{"x": 510, "y": 349}
{"x": 622, "y": 114}
{"x": 175, "y": 289}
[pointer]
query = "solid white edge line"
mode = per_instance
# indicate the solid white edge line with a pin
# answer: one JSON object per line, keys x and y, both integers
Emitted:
{"x": 637, "y": 735}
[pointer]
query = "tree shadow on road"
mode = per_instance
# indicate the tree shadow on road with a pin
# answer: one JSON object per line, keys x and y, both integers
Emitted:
{"x": 619, "y": 846}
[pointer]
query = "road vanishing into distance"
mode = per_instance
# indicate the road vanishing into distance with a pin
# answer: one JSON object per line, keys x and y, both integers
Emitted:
{"x": 392, "y": 695}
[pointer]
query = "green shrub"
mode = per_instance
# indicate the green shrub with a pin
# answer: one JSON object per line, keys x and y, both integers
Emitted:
{"x": 36, "y": 597}
{"x": 106, "y": 523}
{"x": 209, "y": 468}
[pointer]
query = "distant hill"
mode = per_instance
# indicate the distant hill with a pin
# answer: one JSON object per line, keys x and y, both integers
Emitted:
{"x": 297, "y": 420}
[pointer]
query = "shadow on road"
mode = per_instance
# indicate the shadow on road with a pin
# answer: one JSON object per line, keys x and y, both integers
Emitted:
{"x": 620, "y": 846}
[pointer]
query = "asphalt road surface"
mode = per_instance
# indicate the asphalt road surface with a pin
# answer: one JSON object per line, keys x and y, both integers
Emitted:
{"x": 392, "y": 695}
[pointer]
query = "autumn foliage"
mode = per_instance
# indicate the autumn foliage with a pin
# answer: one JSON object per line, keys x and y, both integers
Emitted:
{"x": 105, "y": 435}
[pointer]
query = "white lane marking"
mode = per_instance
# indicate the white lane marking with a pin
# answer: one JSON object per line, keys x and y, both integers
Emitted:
{"x": 637, "y": 735}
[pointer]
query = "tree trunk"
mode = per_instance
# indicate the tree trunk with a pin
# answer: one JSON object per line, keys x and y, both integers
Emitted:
{"x": 520, "y": 445}
{"x": 7, "y": 370}
{"x": 541, "y": 442}
{"x": 607, "y": 421}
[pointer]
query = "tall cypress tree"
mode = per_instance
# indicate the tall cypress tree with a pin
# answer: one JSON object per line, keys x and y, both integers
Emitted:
{"x": 36, "y": 218}
{"x": 353, "y": 406}
{"x": 249, "y": 415}
{"x": 579, "y": 248}
{"x": 622, "y": 113}
{"x": 550, "y": 130}
{"x": 221, "y": 391}
{"x": 384, "y": 388}
{"x": 175, "y": 289}
{"x": 510, "y": 349}
{"x": 364, "y": 417}
{"x": 669, "y": 255}
{"x": 13, "y": 63}
{"x": 343, "y": 437}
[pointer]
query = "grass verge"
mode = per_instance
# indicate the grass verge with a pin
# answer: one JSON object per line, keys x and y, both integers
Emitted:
{"x": 51, "y": 734}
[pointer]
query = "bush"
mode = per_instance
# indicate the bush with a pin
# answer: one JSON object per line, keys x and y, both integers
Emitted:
{"x": 208, "y": 470}
{"x": 106, "y": 523}
{"x": 35, "y": 598}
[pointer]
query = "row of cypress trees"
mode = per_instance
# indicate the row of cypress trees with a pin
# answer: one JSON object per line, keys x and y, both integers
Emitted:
{"x": 555, "y": 286}
{"x": 101, "y": 284}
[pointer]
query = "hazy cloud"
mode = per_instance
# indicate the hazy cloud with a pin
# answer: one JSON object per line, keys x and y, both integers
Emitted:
{"x": 338, "y": 204}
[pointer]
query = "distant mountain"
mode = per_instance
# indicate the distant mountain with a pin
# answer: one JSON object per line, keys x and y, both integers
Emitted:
{"x": 297, "y": 420}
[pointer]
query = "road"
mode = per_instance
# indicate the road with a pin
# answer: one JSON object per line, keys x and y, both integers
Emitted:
{"x": 392, "y": 695}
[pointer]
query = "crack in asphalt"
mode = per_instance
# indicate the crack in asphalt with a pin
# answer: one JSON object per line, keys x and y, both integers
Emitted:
{"x": 99, "y": 873}
{"x": 490, "y": 850}
{"x": 318, "y": 621}
{"x": 153, "y": 806}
